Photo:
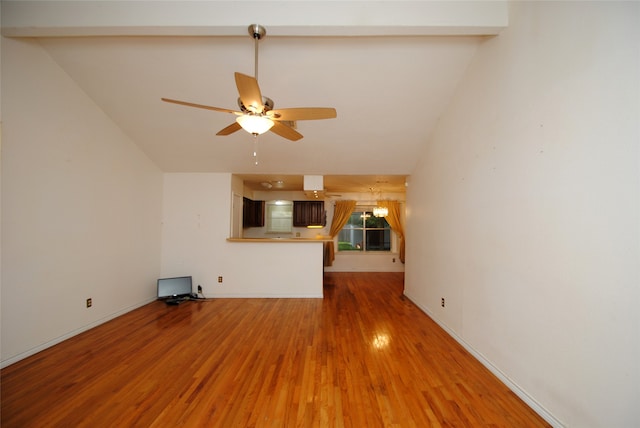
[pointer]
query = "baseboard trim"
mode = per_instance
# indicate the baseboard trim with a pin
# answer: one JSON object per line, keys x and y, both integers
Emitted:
{"x": 362, "y": 269}
{"x": 70, "y": 334}
{"x": 530, "y": 401}
{"x": 264, "y": 296}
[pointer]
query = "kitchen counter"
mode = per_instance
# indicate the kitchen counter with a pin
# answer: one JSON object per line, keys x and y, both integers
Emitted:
{"x": 273, "y": 267}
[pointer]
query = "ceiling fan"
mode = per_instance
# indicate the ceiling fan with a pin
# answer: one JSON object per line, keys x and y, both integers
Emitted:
{"x": 256, "y": 114}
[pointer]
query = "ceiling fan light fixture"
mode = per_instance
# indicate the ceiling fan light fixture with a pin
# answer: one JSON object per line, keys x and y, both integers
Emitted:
{"x": 254, "y": 124}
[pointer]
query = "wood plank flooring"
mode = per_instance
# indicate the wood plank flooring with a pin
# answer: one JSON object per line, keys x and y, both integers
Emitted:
{"x": 363, "y": 356}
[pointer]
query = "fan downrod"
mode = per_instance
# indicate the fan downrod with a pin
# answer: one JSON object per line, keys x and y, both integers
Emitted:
{"x": 256, "y": 31}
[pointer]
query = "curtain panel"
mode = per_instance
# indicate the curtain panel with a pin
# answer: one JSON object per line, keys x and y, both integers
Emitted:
{"x": 395, "y": 221}
{"x": 341, "y": 214}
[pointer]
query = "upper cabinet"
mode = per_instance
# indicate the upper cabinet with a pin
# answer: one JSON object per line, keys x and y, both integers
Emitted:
{"x": 252, "y": 213}
{"x": 309, "y": 213}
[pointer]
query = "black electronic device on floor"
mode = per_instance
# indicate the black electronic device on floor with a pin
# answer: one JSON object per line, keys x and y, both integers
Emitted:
{"x": 175, "y": 290}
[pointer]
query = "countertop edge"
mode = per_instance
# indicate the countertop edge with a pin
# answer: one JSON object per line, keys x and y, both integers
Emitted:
{"x": 279, "y": 240}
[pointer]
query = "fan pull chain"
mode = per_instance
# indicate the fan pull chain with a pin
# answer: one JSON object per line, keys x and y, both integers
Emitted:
{"x": 255, "y": 149}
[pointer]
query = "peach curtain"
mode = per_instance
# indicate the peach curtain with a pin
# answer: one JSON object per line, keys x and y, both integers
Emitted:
{"x": 341, "y": 214}
{"x": 395, "y": 221}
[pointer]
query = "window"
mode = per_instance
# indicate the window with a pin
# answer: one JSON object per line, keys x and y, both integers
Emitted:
{"x": 365, "y": 232}
{"x": 279, "y": 215}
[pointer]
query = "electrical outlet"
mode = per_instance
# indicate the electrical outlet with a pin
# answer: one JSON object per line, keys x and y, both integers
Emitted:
{"x": 199, "y": 289}
{"x": 89, "y": 302}
{"x": 220, "y": 279}
{"x": 393, "y": 260}
{"x": 442, "y": 302}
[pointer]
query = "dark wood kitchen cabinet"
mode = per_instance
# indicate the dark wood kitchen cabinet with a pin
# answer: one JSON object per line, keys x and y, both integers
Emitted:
{"x": 309, "y": 213}
{"x": 252, "y": 213}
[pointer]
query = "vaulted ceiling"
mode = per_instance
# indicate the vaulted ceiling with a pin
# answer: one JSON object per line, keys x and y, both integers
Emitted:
{"x": 389, "y": 68}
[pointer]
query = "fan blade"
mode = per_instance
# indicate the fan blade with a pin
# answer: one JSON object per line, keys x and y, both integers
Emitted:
{"x": 185, "y": 103}
{"x": 249, "y": 92}
{"x": 235, "y": 126}
{"x": 303, "y": 113}
{"x": 285, "y": 131}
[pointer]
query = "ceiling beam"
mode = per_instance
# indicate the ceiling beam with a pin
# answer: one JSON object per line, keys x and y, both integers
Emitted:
{"x": 54, "y": 18}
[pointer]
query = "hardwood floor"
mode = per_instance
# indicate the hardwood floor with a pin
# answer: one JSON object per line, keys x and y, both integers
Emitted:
{"x": 363, "y": 356}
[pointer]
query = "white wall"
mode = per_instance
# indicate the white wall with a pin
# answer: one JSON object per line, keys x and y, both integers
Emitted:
{"x": 524, "y": 211}
{"x": 366, "y": 262}
{"x": 196, "y": 225}
{"x": 80, "y": 208}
